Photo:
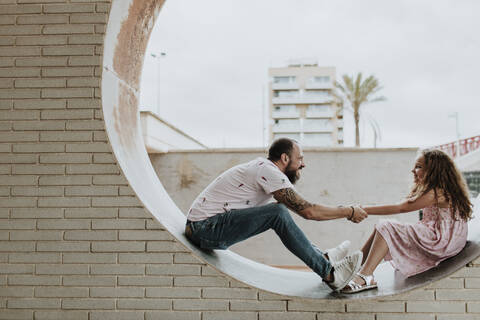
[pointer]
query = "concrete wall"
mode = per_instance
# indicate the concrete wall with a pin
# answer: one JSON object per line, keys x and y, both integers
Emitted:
{"x": 161, "y": 136}
{"x": 470, "y": 161}
{"x": 75, "y": 242}
{"x": 331, "y": 176}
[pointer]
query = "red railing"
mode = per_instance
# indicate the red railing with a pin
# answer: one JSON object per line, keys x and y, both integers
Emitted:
{"x": 465, "y": 145}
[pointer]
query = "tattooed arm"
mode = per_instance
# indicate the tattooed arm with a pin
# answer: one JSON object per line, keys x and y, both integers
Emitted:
{"x": 311, "y": 211}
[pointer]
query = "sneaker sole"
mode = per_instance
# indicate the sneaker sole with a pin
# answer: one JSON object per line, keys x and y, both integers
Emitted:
{"x": 357, "y": 268}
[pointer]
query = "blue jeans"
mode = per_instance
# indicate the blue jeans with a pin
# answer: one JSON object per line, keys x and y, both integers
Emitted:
{"x": 226, "y": 229}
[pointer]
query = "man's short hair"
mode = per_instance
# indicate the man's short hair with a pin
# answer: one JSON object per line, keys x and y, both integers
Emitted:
{"x": 280, "y": 146}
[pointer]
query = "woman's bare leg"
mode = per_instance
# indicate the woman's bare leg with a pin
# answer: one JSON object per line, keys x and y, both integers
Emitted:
{"x": 366, "y": 247}
{"x": 377, "y": 252}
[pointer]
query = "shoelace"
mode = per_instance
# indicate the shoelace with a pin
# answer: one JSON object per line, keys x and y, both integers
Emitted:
{"x": 344, "y": 261}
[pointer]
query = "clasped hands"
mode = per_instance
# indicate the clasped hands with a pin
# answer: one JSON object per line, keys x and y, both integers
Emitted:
{"x": 358, "y": 214}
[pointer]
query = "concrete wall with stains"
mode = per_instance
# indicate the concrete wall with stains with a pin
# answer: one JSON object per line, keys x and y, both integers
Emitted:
{"x": 331, "y": 176}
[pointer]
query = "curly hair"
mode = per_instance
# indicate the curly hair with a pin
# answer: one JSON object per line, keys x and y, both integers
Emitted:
{"x": 441, "y": 174}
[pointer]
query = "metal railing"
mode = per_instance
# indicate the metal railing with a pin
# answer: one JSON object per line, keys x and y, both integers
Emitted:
{"x": 461, "y": 147}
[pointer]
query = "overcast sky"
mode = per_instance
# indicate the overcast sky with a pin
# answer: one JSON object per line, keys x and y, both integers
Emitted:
{"x": 214, "y": 75}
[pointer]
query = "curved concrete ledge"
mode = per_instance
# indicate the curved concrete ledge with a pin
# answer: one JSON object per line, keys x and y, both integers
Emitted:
{"x": 127, "y": 33}
{"x": 309, "y": 285}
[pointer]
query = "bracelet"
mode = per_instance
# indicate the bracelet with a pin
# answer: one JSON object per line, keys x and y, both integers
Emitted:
{"x": 353, "y": 212}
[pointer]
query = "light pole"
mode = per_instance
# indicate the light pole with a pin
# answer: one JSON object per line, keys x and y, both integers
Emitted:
{"x": 457, "y": 130}
{"x": 158, "y": 56}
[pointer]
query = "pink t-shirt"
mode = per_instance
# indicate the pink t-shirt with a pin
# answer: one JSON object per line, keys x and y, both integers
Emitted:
{"x": 244, "y": 186}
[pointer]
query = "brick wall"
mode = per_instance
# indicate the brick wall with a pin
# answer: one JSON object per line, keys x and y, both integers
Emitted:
{"x": 75, "y": 242}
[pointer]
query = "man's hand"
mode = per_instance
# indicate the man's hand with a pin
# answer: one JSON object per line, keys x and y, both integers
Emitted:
{"x": 358, "y": 214}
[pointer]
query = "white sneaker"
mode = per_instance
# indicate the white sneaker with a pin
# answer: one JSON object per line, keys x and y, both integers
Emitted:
{"x": 339, "y": 252}
{"x": 345, "y": 270}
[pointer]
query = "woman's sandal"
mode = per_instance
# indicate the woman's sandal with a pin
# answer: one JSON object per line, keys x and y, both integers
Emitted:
{"x": 353, "y": 287}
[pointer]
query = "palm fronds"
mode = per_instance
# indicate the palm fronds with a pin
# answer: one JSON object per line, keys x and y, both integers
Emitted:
{"x": 358, "y": 93}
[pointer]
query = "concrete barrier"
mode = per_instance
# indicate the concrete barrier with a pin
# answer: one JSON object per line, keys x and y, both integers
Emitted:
{"x": 331, "y": 176}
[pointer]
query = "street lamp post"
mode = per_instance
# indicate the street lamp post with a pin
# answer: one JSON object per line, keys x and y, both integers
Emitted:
{"x": 457, "y": 130}
{"x": 158, "y": 56}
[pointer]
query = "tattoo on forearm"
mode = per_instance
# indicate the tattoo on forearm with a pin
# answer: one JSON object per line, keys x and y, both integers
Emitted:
{"x": 291, "y": 199}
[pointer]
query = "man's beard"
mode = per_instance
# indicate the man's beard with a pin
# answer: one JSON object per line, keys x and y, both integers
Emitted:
{"x": 292, "y": 174}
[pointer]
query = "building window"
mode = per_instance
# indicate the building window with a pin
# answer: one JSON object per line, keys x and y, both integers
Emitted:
{"x": 319, "y": 79}
{"x": 319, "y": 111}
{"x": 285, "y": 93}
{"x": 286, "y": 108}
{"x": 286, "y": 125}
{"x": 284, "y": 79}
{"x": 316, "y": 124}
{"x": 317, "y": 93}
{"x": 285, "y": 111}
{"x": 319, "y": 108}
{"x": 294, "y": 136}
{"x": 317, "y": 140}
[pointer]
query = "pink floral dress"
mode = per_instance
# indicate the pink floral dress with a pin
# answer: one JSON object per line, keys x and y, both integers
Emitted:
{"x": 415, "y": 248}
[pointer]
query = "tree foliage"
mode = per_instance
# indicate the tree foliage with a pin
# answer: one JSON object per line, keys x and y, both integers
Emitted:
{"x": 358, "y": 92}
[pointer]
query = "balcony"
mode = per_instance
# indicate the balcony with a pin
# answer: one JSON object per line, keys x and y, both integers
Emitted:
{"x": 318, "y": 85}
{"x": 317, "y": 139}
{"x": 285, "y": 129}
{"x": 295, "y": 136}
{"x": 285, "y": 86}
{"x": 286, "y": 126}
{"x": 312, "y": 129}
{"x": 319, "y": 114}
{"x": 288, "y": 114}
{"x": 317, "y": 125}
{"x": 302, "y": 99}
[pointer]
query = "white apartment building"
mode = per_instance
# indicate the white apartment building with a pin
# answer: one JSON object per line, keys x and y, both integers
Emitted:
{"x": 302, "y": 105}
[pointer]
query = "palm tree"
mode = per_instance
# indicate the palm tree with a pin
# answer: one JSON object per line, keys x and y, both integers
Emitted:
{"x": 358, "y": 93}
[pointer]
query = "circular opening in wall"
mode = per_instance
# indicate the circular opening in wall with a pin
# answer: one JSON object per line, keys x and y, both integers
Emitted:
{"x": 125, "y": 48}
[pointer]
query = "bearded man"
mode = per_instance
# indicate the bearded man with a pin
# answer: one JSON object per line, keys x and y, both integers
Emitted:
{"x": 238, "y": 205}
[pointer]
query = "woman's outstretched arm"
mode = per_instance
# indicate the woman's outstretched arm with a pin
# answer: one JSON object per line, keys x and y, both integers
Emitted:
{"x": 426, "y": 200}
